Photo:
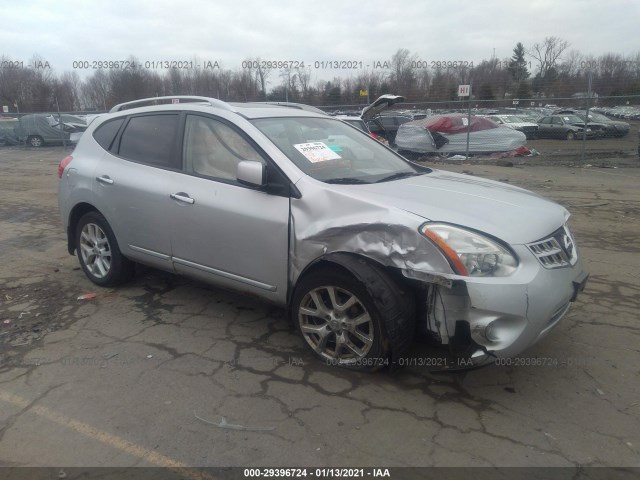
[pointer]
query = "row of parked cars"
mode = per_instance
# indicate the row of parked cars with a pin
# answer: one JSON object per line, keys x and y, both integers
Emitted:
{"x": 623, "y": 112}
{"x": 550, "y": 123}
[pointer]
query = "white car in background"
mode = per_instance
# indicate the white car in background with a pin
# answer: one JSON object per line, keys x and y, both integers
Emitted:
{"x": 515, "y": 122}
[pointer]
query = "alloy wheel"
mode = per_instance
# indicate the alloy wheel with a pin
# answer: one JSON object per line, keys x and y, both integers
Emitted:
{"x": 336, "y": 325}
{"x": 95, "y": 250}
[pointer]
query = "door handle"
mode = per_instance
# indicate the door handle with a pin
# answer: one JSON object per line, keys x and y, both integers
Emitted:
{"x": 105, "y": 179}
{"x": 182, "y": 197}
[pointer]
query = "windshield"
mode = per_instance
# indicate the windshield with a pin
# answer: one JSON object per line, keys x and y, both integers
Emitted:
{"x": 572, "y": 119}
{"x": 513, "y": 119}
{"x": 331, "y": 151}
{"x": 598, "y": 117}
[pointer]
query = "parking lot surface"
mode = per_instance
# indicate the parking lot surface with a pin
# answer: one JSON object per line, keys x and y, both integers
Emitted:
{"x": 166, "y": 371}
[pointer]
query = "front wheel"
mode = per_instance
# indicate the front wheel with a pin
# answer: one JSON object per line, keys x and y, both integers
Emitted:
{"x": 344, "y": 324}
{"x": 571, "y": 135}
{"x": 98, "y": 252}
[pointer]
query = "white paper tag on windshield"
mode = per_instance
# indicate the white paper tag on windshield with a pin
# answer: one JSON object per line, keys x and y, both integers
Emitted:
{"x": 317, "y": 152}
{"x": 465, "y": 121}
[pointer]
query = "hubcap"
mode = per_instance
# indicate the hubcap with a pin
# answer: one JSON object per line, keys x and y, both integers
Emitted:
{"x": 335, "y": 323}
{"x": 95, "y": 250}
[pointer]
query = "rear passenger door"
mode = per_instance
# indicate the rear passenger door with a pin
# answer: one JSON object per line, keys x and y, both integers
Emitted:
{"x": 132, "y": 184}
{"x": 222, "y": 231}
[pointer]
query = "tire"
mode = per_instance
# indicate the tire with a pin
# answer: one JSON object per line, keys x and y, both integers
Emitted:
{"x": 35, "y": 141}
{"x": 99, "y": 254}
{"x": 344, "y": 324}
{"x": 571, "y": 135}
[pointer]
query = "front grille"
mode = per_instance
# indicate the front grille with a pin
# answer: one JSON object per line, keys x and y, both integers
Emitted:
{"x": 556, "y": 251}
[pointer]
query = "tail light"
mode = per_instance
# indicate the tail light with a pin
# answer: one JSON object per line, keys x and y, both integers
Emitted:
{"x": 63, "y": 164}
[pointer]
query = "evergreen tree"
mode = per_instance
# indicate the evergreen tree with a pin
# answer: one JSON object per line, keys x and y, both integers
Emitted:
{"x": 518, "y": 65}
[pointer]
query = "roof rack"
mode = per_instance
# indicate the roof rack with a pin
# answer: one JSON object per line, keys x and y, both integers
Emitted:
{"x": 214, "y": 102}
{"x": 299, "y": 106}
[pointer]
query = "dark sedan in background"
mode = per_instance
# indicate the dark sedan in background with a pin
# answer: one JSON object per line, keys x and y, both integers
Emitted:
{"x": 611, "y": 128}
{"x": 567, "y": 126}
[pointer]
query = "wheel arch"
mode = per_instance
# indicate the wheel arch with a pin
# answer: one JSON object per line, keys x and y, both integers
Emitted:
{"x": 347, "y": 261}
{"x": 74, "y": 217}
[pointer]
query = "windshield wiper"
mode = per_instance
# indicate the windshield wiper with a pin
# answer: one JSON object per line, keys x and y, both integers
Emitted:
{"x": 397, "y": 176}
{"x": 346, "y": 181}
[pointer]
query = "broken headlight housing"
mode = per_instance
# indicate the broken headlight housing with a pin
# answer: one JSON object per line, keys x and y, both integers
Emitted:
{"x": 470, "y": 253}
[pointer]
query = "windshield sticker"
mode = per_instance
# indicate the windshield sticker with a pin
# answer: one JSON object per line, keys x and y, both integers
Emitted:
{"x": 316, "y": 152}
{"x": 566, "y": 119}
{"x": 465, "y": 121}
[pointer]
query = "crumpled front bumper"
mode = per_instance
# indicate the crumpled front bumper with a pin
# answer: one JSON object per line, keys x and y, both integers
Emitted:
{"x": 488, "y": 318}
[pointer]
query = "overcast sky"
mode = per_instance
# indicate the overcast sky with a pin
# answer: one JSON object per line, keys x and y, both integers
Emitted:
{"x": 323, "y": 30}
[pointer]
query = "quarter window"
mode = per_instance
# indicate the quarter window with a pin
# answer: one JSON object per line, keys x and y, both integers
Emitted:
{"x": 150, "y": 139}
{"x": 106, "y": 132}
{"x": 214, "y": 149}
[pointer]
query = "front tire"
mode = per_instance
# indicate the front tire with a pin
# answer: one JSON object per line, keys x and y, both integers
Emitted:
{"x": 344, "y": 325}
{"x": 571, "y": 136}
{"x": 98, "y": 252}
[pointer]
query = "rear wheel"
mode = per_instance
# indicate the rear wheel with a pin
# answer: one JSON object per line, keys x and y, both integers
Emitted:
{"x": 35, "y": 141}
{"x": 98, "y": 252}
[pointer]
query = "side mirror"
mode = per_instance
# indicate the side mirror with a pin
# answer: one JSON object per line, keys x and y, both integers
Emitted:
{"x": 253, "y": 174}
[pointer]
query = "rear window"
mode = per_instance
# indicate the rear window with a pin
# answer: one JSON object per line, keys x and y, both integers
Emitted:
{"x": 106, "y": 132}
{"x": 150, "y": 139}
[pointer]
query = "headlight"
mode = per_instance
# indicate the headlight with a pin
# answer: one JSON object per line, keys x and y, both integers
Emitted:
{"x": 469, "y": 253}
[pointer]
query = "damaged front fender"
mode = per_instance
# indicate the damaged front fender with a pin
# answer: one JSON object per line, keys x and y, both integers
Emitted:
{"x": 390, "y": 238}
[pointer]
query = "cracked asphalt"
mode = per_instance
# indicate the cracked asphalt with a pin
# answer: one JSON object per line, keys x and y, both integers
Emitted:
{"x": 171, "y": 372}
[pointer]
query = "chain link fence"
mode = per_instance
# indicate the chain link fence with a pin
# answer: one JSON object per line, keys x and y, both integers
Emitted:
{"x": 583, "y": 129}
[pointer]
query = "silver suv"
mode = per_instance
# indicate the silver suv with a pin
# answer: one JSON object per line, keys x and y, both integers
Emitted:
{"x": 363, "y": 247}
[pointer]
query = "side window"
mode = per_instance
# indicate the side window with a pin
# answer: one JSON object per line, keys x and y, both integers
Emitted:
{"x": 106, "y": 132}
{"x": 214, "y": 149}
{"x": 388, "y": 122}
{"x": 545, "y": 120}
{"x": 556, "y": 121}
{"x": 150, "y": 139}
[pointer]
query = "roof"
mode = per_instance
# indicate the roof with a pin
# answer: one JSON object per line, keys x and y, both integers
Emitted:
{"x": 248, "y": 110}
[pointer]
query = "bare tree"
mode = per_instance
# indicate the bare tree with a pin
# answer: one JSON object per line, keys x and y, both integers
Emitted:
{"x": 548, "y": 53}
{"x": 95, "y": 90}
{"x": 403, "y": 77}
{"x": 262, "y": 73}
{"x": 572, "y": 64}
{"x": 304, "y": 80}
{"x": 245, "y": 82}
